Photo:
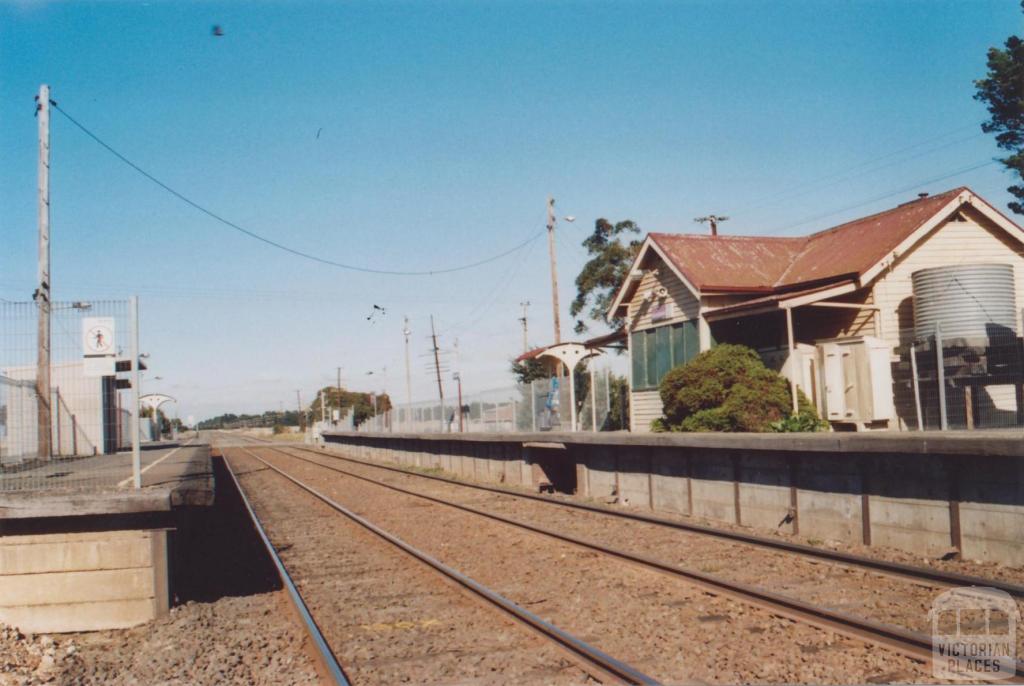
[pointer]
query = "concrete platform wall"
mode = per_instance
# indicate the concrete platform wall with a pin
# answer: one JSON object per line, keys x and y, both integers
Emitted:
{"x": 53, "y": 583}
{"x": 929, "y": 495}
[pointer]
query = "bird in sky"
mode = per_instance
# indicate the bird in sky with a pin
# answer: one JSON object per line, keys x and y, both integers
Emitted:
{"x": 217, "y": 30}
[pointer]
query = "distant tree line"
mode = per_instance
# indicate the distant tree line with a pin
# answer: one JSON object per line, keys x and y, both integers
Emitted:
{"x": 366, "y": 405}
{"x": 245, "y": 421}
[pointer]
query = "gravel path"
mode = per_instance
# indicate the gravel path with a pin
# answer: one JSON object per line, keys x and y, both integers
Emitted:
{"x": 389, "y": 618}
{"x": 662, "y": 626}
{"x": 848, "y": 589}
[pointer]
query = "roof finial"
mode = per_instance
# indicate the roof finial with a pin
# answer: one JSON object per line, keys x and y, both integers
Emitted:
{"x": 713, "y": 220}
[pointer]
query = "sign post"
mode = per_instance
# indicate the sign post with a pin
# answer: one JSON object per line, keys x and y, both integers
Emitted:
{"x": 134, "y": 345}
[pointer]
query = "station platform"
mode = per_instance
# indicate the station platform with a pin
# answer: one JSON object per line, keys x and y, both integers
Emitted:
{"x": 89, "y": 551}
{"x": 174, "y": 474}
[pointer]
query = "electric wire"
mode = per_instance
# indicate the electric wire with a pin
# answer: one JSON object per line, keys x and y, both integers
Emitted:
{"x": 280, "y": 246}
{"x": 905, "y": 189}
{"x": 844, "y": 177}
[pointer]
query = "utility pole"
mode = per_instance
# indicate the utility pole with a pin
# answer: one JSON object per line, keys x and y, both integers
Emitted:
{"x": 458, "y": 378}
{"x": 406, "y": 331}
{"x": 298, "y": 401}
{"x": 437, "y": 370}
{"x": 526, "y": 338}
{"x": 339, "y": 394}
{"x": 554, "y": 268}
{"x": 42, "y": 294}
{"x": 712, "y": 220}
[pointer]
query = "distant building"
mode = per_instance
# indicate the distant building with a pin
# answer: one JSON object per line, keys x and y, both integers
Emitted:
{"x": 86, "y": 413}
{"x": 835, "y": 311}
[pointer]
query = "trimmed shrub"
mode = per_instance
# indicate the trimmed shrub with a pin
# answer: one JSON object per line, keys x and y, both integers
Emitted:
{"x": 728, "y": 388}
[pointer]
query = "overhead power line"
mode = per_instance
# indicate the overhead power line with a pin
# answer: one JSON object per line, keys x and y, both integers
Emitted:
{"x": 905, "y": 189}
{"x": 298, "y": 253}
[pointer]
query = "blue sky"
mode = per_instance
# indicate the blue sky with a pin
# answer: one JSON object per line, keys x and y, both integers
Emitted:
{"x": 442, "y": 128}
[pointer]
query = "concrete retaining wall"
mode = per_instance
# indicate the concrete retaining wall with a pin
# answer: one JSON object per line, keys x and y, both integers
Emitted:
{"x": 924, "y": 493}
{"x": 83, "y": 581}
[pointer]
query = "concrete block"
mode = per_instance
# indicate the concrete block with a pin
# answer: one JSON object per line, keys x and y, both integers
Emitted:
{"x": 712, "y": 484}
{"x": 601, "y": 471}
{"x": 67, "y": 617}
{"x": 993, "y": 532}
{"x": 915, "y": 525}
{"x": 669, "y": 483}
{"x": 74, "y": 552}
{"x": 910, "y": 503}
{"x": 764, "y": 490}
{"x": 511, "y": 464}
{"x": 83, "y": 581}
{"x": 496, "y": 463}
{"x": 634, "y": 476}
{"x": 830, "y": 516}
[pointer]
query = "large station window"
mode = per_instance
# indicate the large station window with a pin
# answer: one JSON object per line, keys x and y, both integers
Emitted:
{"x": 655, "y": 351}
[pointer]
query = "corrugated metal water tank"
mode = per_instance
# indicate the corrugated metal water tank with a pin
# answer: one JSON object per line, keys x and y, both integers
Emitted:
{"x": 974, "y": 302}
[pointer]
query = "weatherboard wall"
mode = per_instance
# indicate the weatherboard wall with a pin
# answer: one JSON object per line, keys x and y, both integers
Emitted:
{"x": 645, "y": 405}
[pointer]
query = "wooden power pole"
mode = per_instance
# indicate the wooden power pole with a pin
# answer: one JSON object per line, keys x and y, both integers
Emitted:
{"x": 406, "y": 331}
{"x": 526, "y": 337}
{"x": 339, "y": 394}
{"x": 437, "y": 370}
{"x": 42, "y": 294}
{"x": 554, "y": 267}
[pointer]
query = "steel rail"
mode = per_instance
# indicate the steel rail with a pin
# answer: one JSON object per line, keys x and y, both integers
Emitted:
{"x": 328, "y": 661}
{"x": 913, "y": 644}
{"x": 886, "y": 567}
{"x": 596, "y": 662}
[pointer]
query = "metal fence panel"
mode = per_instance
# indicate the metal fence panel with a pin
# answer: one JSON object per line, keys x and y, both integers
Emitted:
{"x": 83, "y": 415}
{"x": 961, "y": 383}
{"x": 543, "y": 405}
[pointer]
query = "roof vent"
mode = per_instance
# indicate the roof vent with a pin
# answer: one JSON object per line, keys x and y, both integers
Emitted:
{"x": 922, "y": 196}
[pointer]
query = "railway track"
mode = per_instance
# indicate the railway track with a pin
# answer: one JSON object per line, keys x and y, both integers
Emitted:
{"x": 598, "y": 665}
{"x": 884, "y": 567}
{"x": 912, "y": 644}
{"x": 327, "y": 661}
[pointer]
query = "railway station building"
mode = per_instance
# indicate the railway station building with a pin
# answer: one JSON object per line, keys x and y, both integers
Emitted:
{"x": 852, "y": 315}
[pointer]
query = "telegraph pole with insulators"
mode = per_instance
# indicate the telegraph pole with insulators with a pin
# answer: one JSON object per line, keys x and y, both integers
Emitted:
{"x": 526, "y": 338}
{"x": 712, "y": 220}
{"x": 554, "y": 268}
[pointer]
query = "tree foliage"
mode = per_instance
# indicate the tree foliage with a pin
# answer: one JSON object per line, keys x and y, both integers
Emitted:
{"x": 1002, "y": 90}
{"x": 236, "y": 421}
{"x": 528, "y": 370}
{"x": 343, "y": 400}
{"x": 611, "y": 253}
{"x": 728, "y": 388}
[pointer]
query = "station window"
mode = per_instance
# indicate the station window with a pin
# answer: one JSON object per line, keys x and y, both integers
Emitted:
{"x": 655, "y": 351}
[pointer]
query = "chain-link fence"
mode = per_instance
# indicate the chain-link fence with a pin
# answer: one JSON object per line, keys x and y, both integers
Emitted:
{"x": 542, "y": 405}
{"x": 979, "y": 383}
{"x": 65, "y": 431}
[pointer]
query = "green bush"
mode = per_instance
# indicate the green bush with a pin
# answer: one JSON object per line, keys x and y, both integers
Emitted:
{"x": 280, "y": 429}
{"x": 728, "y": 388}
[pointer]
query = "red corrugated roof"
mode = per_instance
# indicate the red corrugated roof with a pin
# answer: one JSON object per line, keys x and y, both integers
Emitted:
{"x": 729, "y": 263}
{"x": 769, "y": 264}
